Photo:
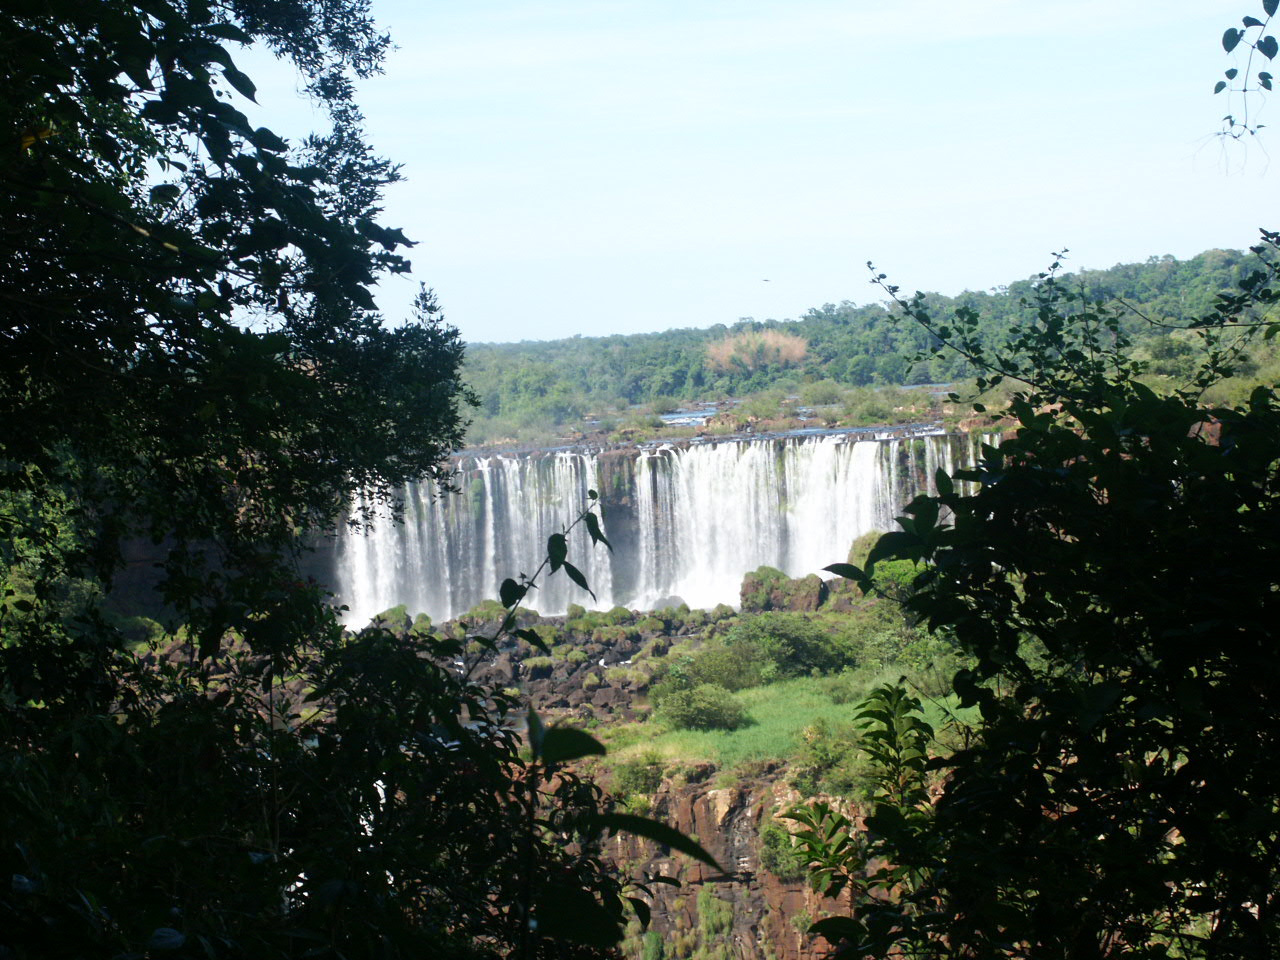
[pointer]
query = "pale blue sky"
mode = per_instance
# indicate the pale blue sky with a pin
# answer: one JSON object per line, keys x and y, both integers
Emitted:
{"x": 616, "y": 167}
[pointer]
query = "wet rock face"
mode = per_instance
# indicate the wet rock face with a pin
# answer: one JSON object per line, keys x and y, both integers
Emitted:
{"x": 746, "y": 910}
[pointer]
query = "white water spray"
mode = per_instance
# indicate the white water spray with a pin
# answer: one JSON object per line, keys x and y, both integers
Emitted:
{"x": 687, "y": 522}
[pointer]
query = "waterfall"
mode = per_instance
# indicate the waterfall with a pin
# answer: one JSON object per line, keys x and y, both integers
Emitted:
{"x": 686, "y": 521}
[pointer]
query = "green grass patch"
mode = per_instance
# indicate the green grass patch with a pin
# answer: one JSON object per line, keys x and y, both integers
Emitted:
{"x": 779, "y": 711}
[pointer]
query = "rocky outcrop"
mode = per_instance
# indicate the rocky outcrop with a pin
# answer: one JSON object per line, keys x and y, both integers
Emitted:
{"x": 746, "y": 912}
{"x": 769, "y": 589}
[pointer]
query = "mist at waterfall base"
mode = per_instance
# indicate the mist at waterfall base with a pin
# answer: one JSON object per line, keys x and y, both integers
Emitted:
{"x": 686, "y": 522}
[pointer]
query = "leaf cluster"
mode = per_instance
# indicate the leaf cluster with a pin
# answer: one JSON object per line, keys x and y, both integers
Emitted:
{"x": 1111, "y": 574}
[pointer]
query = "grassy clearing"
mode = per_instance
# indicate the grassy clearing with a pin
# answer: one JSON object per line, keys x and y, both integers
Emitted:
{"x": 779, "y": 711}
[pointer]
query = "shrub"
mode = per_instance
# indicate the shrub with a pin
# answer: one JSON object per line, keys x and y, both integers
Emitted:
{"x": 715, "y": 916}
{"x": 850, "y": 685}
{"x": 613, "y": 635}
{"x": 820, "y": 394}
{"x": 575, "y": 612}
{"x": 651, "y": 626}
{"x": 140, "y": 630}
{"x": 618, "y": 615}
{"x": 867, "y": 406}
{"x": 642, "y": 774}
{"x": 656, "y": 647}
{"x": 794, "y": 643}
{"x": 639, "y": 804}
{"x": 576, "y": 655}
{"x": 671, "y": 677}
{"x": 705, "y": 707}
{"x": 487, "y": 610}
{"x": 734, "y": 668}
{"x": 830, "y": 761}
{"x": 581, "y": 628}
{"x": 778, "y": 853}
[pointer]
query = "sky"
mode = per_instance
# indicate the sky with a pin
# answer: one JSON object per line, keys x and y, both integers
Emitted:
{"x": 596, "y": 167}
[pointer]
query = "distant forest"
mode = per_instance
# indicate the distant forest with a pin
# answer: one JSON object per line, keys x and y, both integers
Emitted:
{"x": 536, "y": 388}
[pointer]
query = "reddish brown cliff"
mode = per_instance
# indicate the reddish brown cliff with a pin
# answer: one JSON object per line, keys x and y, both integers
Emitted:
{"x": 743, "y": 914}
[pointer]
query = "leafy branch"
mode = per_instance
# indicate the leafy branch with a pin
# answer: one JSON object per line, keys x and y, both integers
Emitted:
{"x": 567, "y": 911}
{"x": 1253, "y": 34}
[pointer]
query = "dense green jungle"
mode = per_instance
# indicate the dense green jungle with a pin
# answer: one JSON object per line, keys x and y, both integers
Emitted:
{"x": 845, "y": 365}
{"x": 1038, "y": 719}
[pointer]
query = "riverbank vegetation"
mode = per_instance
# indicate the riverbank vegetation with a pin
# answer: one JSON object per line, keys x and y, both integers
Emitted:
{"x": 772, "y": 685}
{"x": 840, "y": 364}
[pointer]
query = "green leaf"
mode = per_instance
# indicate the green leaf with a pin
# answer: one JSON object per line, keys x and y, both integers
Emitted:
{"x": 1252, "y": 22}
{"x": 576, "y": 576}
{"x": 846, "y": 570}
{"x": 531, "y": 636}
{"x": 566, "y": 743}
{"x": 511, "y": 593}
{"x": 241, "y": 82}
{"x": 941, "y": 480}
{"x": 836, "y": 929}
{"x": 1268, "y": 47}
{"x": 227, "y": 31}
{"x": 656, "y": 831}
{"x": 642, "y": 911}
{"x": 1264, "y": 80}
{"x": 536, "y": 730}
{"x": 1230, "y": 39}
{"x": 557, "y": 550}
{"x": 566, "y": 912}
{"x": 1270, "y": 7}
{"x": 165, "y": 938}
{"x": 592, "y": 495}
{"x": 165, "y": 193}
{"x": 264, "y": 139}
{"x": 1231, "y": 74}
{"x": 593, "y": 528}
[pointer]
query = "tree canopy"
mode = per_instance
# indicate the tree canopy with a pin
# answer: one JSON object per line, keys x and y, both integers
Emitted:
{"x": 191, "y": 355}
{"x": 556, "y": 383}
{"x": 1110, "y": 569}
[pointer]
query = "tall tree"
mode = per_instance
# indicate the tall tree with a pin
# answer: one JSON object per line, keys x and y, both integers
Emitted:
{"x": 188, "y": 328}
{"x": 190, "y": 352}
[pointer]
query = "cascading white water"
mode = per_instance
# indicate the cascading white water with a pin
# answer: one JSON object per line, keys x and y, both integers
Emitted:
{"x": 687, "y": 522}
